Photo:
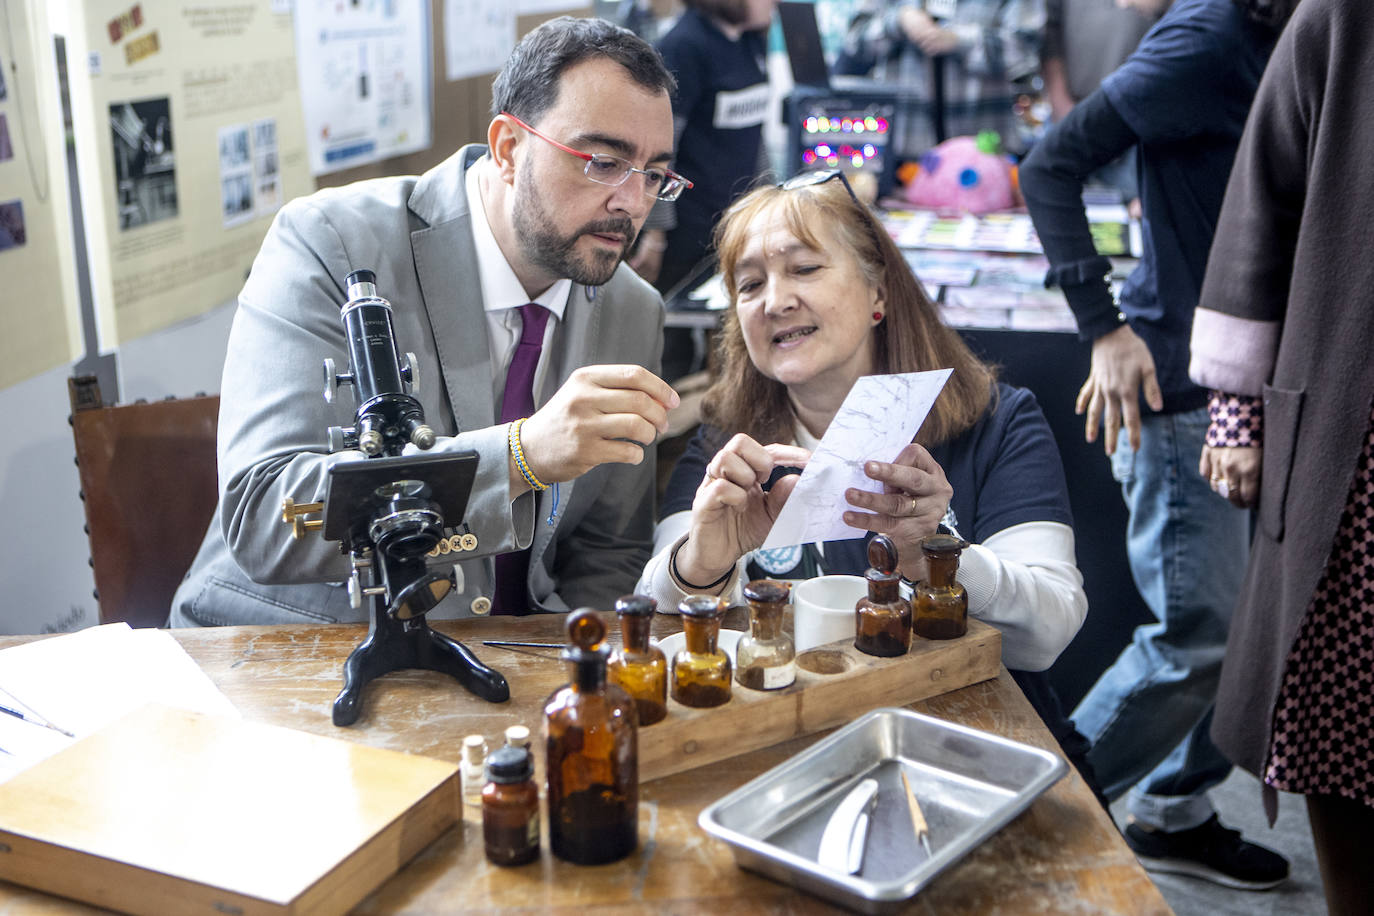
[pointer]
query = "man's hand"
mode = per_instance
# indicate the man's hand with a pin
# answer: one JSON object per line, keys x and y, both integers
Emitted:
{"x": 925, "y": 33}
{"x": 1233, "y": 472}
{"x": 731, "y": 515}
{"x": 1121, "y": 368}
{"x": 647, "y": 260}
{"x": 601, "y": 414}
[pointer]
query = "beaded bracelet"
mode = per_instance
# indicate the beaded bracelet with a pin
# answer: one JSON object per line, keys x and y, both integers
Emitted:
{"x": 518, "y": 453}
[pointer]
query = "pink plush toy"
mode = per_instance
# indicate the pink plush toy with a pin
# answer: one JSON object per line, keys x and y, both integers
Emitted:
{"x": 964, "y": 174}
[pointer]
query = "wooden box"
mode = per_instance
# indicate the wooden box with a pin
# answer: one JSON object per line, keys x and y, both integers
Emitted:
{"x": 169, "y": 811}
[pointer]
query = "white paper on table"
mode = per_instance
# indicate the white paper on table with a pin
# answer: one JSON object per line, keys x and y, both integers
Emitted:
{"x": 86, "y": 680}
{"x": 879, "y": 417}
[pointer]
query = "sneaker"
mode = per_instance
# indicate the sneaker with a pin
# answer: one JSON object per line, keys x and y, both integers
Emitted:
{"x": 1208, "y": 851}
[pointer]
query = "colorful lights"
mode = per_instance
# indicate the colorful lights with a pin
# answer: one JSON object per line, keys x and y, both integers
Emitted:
{"x": 824, "y": 125}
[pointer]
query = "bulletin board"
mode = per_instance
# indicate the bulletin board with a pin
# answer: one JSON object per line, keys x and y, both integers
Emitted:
{"x": 39, "y": 309}
{"x": 189, "y": 139}
{"x": 191, "y": 134}
{"x": 462, "y": 108}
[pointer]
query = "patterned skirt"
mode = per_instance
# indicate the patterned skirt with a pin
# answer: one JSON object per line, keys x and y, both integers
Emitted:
{"x": 1322, "y": 740}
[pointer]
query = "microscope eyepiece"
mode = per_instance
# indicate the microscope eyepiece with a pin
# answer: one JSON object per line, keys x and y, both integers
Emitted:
{"x": 361, "y": 284}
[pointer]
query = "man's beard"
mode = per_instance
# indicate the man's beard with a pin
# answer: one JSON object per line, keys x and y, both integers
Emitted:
{"x": 557, "y": 254}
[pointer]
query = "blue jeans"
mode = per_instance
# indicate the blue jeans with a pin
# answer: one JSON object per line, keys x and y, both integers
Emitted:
{"x": 1148, "y": 715}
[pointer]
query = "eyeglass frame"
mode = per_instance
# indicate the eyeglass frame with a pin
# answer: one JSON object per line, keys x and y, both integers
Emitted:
{"x": 590, "y": 158}
{"x": 813, "y": 177}
{"x": 820, "y": 176}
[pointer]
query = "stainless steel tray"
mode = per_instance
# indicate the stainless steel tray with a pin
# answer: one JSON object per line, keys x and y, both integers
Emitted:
{"x": 969, "y": 784}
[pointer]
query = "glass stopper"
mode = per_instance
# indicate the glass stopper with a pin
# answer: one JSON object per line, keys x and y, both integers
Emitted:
{"x": 882, "y": 554}
{"x": 635, "y": 605}
{"x": 586, "y": 629}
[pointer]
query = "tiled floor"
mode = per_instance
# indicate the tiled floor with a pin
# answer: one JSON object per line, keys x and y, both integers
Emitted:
{"x": 1238, "y": 803}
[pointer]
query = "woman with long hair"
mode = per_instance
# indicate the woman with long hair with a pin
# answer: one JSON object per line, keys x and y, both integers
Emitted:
{"x": 822, "y": 296}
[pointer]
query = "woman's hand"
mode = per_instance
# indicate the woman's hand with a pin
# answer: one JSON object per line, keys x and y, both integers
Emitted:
{"x": 1233, "y": 472}
{"x": 915, "y": 496}
{"x": 731, "y": 515}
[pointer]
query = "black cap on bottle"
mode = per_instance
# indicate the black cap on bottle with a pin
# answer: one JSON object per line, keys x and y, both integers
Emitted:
{"x": 509, "y": 764}
{"x": 360, "y": 276}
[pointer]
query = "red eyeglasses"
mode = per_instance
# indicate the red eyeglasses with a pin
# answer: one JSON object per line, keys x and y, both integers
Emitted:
{"x": 660, "y": 184}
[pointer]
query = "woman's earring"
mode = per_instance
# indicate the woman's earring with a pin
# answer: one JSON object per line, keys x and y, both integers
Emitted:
{"x": 877, "y": 317}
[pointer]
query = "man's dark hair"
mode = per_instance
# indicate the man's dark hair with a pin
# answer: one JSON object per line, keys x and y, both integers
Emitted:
{"x": 528, "y": 84}
{"x": 1273, "y": 13}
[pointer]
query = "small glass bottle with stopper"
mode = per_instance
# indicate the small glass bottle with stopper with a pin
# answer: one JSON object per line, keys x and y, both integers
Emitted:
{"x": 882, "y": 621}
{"x": 592, "y": 755}
{"x": 639, "y": 668}
{"x": 510, "y": 807}
{"x": 765, "y": 658}
{"x": 941, "y": 603}
{"x": 471, "y": 769}
{"x": 701, "y": 671}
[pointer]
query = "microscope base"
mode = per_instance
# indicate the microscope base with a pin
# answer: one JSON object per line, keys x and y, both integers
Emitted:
{"x": 396, "y": 644}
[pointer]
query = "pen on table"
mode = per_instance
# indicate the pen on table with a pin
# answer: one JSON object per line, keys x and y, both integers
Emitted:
{"x": 503, "y": 644}
{"x": 33, "y": 721}
{"x": 918, "y": 820}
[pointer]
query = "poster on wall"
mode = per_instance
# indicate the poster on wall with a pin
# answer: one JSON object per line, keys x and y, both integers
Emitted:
{"x": 39, "y": 309}
{"x": 478, "y": 37}
{"x": 365, "y": 78}
{"x": 188, "y": 127}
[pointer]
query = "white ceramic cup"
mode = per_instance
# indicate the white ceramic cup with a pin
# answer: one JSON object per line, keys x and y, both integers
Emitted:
{"x": 823, "y": 609}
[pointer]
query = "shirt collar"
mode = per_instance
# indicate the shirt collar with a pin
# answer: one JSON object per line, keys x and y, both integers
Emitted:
{"x": 501, "y": 289}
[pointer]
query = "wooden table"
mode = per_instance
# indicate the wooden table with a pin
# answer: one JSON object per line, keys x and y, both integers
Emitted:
{"x": 1063, "y": 854}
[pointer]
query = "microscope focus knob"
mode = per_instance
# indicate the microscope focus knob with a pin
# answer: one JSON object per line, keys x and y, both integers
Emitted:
{"x": 410, "y": 373}
{"x": 338, "y": 439}
{"x": 333, "y": 379}
{"x": 293, "y": 514}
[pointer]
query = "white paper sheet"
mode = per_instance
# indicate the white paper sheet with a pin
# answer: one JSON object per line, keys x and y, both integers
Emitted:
{"x": 364, "y": 80}
{"x": 85, "y": 680}
{"x": 879, "y": 417}
{"x": 478, "y": 36}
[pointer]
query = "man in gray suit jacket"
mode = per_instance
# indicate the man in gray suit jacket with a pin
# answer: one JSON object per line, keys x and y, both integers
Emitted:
{"x": 576, "y": 156}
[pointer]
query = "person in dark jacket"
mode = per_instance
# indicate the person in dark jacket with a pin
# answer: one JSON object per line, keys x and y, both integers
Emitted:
{"x": 1181, "y": 101}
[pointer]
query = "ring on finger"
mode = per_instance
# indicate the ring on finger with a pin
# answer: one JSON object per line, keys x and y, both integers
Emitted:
{"x": 913, "y": 507}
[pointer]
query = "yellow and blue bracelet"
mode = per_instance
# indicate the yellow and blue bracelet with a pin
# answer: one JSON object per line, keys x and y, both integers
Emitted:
{"x": 518, "y": 453}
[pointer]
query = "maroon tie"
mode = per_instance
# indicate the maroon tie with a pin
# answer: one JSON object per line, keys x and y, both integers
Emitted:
{"x": 512, "y": 569}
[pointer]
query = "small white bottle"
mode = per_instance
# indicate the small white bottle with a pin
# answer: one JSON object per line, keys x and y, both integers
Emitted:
{"x": 472, "y": 769}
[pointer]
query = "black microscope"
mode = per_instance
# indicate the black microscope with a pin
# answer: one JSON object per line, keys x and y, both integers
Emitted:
{"x": 392, "y": 512}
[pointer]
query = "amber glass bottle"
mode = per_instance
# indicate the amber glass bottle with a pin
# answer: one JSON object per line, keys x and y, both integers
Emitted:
{"x": 639, "y": 668}
{"x": 592, "y": 755}
{"x": 765, "y": 658}
{"x": 510, "y": 808}
{"x": 882, "y": 621}
{"x": 701, "y": 671}
{"x": 941, "y": 603}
